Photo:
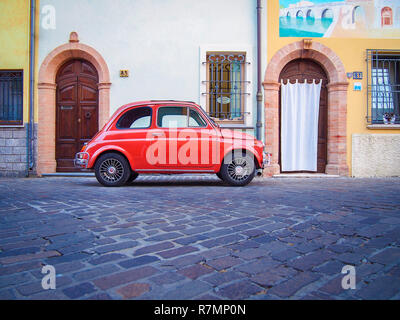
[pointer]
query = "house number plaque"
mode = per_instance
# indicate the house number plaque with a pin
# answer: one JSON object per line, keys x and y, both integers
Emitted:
{"x": 123, "y": 73}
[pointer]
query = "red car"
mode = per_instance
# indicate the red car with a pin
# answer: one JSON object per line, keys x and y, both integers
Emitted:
{"x": 169, "y": 137}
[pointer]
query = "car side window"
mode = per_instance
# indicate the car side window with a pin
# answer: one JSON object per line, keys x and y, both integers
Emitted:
{"x": 172, "y": 117}
{"x": 137, "y": 118}
{"x": 178, "y": 117}
{"x": 195, "y": 120}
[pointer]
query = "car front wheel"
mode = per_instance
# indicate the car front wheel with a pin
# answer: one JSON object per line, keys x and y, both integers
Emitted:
{"x": 112, "y": 170}
{"x": 238, "y": 169}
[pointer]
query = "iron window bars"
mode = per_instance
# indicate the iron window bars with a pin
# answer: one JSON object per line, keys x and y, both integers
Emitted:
{"x": 11, "y": 97}
{"x": 383, "y": 85}
{"x": 226, "y": 85}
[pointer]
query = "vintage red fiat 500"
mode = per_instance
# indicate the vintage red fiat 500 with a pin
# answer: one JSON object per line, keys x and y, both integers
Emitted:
{"x": 169, "y": 137}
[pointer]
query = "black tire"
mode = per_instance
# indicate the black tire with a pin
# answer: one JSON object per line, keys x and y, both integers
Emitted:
{"x": 132, "y": 177}
{"x": 219, "y": 175}
{"x": 112, "y": 170}
{"x": 238, "y": 169}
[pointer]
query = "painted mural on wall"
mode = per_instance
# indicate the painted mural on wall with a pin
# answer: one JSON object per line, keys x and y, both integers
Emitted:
{"x": 340, "y": 18}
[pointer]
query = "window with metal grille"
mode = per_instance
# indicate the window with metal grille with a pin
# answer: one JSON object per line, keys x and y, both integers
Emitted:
{"x": 11, "y": 97}
{"x": 383, "y": 82}
{"x": 225, "y": 85}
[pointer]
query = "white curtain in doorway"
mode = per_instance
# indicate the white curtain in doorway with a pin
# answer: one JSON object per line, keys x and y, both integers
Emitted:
{"x": 299, "y": 125}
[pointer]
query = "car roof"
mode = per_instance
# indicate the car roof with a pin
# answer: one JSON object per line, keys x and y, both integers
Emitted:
{"x": 146, "y": 103}
{"x": 152, "y": 102}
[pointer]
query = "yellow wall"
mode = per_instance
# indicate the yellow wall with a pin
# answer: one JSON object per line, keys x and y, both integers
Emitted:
{"x": 14, "y": 41}
{"x": 37, "y": 26}
{"x": 352, "y": 53}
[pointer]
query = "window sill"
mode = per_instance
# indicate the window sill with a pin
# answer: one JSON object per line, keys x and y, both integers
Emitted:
{"x": 383, "y": 126}
{"x": 11, "y": 125}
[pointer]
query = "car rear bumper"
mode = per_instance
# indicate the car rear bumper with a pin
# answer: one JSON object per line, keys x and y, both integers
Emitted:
{"x": 81, "y": 160}
{"x": 266, "y": 159}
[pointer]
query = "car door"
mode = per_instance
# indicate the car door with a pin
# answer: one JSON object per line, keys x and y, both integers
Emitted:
{"x": 190, "y": 141}
{"x": 131, "y": 133}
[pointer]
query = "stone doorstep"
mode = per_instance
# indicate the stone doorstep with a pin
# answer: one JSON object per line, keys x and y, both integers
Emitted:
{"x": 305, "y": 175}
{"x": 69, "y": 174}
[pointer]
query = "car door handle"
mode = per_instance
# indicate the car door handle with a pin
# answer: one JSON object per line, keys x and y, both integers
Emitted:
{"x": 157, "y": 134}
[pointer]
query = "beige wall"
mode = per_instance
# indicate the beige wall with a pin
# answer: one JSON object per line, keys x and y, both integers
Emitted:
{"x": 376, "y": 155}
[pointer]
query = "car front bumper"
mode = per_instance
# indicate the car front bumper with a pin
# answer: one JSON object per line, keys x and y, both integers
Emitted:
{"x": 81, "y": 160}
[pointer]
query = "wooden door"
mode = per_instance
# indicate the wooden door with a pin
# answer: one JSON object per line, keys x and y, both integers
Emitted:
{"x": 304, "y": 69}
{"x": 77, "y": 110}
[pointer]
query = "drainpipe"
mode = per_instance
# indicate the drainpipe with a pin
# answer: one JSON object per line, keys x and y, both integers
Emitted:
{"x": 259, "y": 83}
{"x": 30, "y": 135}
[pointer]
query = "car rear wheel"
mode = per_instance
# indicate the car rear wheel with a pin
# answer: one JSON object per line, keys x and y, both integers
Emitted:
{"x": 112, "y": 170}
{"x": 219, "y": 175}
{"x": 238, "y": 169}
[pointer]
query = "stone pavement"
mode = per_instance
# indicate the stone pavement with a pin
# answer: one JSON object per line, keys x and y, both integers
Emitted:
{"x": 193, "y": 237}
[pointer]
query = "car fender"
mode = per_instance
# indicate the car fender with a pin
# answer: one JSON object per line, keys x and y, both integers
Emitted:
{"x": 248, "y": 148}
{"x": 111, "y": 148}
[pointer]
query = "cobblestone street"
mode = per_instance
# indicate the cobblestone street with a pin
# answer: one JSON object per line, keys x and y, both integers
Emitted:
{"x": 193, "y": 237}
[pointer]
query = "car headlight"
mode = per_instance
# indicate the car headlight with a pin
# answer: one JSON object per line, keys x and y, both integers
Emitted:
{"x": 84, "y": 147}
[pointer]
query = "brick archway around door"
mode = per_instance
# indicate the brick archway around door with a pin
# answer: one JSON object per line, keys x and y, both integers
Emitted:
{"x": 337, "y": 103}
{"x": 46, "y": 144}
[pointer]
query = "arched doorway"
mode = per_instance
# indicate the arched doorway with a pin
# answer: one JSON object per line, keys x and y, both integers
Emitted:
{"x": 47, "y": 89}
{"x": 336, "y": 109}
{"x": 76, "y": 110}
{"x": 309, "y": 70}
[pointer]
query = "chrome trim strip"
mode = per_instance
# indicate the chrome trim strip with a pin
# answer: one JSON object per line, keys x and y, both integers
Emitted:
{"x": 183, "y": 170}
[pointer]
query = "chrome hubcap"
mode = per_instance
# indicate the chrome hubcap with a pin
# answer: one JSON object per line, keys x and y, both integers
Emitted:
{"x": 239, "y": 169}
{"x": 111, "y": 170}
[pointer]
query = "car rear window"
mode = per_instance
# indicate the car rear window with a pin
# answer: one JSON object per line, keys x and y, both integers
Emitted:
{"x": 137, "y": 118}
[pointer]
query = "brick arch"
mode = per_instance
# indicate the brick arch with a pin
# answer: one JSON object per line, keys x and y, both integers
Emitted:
{"x": 337, "y": 102}
{"x": 46, "y": 145}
